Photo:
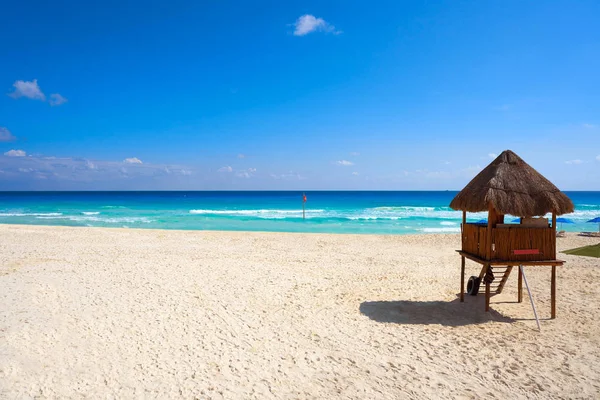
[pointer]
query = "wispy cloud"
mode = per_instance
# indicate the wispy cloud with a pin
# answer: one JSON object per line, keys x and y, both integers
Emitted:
{"x": 241, "y": 155}
{"x": 291, "y": 175}
{"x": 355, "y": 173}
{"x": 503, "y": 107}
{"x": 225, "y": 169}
{"x": 246, "y": 173}
{"x": 23, "y": 171}
{"x": 56, "y": 99}
{"x": 343, "y": 163}
{"x": 132, "y": 160}
{"x": 598, "y": 157}
{"x": 492, "y": 155}
{"x": 28, "y": 89}
{"x": 309, "y": 23}
{"x": 31, "y": 90}
{"x": 355, "y": 154}
{"x": 15, "y": 153}
{"x": 5, "y": 135}
{"x": 589, "y": 126}
{"x": 574, "y": 162}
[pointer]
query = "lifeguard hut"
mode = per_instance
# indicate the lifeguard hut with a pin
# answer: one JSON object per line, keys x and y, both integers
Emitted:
{"x": 509, "y": 186}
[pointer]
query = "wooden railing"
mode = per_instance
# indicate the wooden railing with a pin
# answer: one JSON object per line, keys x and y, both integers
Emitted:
{"x": 474, "y": 239}
{"x": 508, "y": 240}
{"x": 510, "y": 243}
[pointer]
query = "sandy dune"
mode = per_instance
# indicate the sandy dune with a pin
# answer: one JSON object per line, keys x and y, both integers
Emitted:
{"x": 117, "y": 313}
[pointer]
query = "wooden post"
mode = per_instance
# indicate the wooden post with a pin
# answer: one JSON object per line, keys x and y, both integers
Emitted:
{"x": 462, "y": 279}
{"x": 553, "y": 293}
{"x": 491, "y": 224}
{"x": 520, "y": 290}
{"x": 462, "y": 261}
{"x": 554, "y": 236}
{"x": 487, "y": 296}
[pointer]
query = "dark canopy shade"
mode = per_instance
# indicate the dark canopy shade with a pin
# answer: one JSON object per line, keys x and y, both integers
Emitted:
{"x": 512, "y": 187}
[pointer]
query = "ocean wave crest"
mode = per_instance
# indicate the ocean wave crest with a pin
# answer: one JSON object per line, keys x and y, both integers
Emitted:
{"x": 90, "y": 218}
{"x": 52, "y": 214}
{"x": 440, "y": 230}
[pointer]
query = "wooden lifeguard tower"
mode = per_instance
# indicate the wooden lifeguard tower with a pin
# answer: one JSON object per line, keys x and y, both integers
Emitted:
{"x": 509, "y": 186}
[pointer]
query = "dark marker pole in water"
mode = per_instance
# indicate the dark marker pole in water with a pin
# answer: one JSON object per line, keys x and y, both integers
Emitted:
{"x": 303, "y": 207}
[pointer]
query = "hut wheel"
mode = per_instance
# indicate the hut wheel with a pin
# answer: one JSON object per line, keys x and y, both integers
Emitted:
{"x": 473, "y": 285}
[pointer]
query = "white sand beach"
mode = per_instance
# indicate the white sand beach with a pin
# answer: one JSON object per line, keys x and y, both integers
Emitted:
{"x": 118, "y": 313}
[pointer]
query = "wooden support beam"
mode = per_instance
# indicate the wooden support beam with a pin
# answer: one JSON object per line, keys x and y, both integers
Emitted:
{"x": 553, "y": 293}
{"x": 520, "y": 287}
{"x": 487, "y": 297}
{"x": 462, "y": 279}
{"x": 508, "y": 262}
{"x": 490, "y": 226}
{"x": 554, "y": 228}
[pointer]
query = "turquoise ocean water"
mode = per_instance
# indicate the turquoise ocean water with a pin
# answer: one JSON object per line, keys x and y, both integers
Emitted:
{"x": 330, "y": 212}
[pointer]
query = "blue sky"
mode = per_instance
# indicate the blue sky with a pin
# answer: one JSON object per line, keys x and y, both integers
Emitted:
{"x": 295, "y": 95}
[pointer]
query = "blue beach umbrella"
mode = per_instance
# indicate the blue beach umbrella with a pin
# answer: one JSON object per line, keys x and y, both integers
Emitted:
{"x": 482, "y": 221}
{"x": 516, "y": 220}
{"x": 597, "y": 221}
{"x": 564, "y": 221}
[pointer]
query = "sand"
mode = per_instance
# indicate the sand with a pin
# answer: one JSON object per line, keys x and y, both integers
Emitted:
{"x": 118, "y": 313}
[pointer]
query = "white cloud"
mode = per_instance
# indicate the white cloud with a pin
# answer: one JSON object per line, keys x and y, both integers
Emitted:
{"x": 90, "y": 165}
{"x": 575, "y": 162}
{"x": 225, "y": 169}
{"x": 589, "y": 126}
{"x": 29, "y": 89}
{"x": 492, "y": 155}
{"x": 288, "y": 176}
{"x": 15, "y": 153}
{"x": 56, "y": 99}
{"x": 24, "y": 172}
{"x": 241, "y": 156}
{"x": 355, "y": 173}
{"x": 355, "y": 153}
{"x": 5, "y": 135}
{"x": 309, "y": 23}
{"x": 344, "y": 163}
{"x": 132, "y": 160}
{"x": 598, "y": 157}
{"x": 245, "y": 173}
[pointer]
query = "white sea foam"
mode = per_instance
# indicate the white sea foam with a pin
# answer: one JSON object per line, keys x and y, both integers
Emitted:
{"x": 90, "y": 218}
{"x": 54, "y": 214}
{"x": 264, "y": 214}
{"x": 377, "y": 213}
{"x": 440, "y": 230}
{"x": 90, "y": 212}
{"x": 448, "y": 223}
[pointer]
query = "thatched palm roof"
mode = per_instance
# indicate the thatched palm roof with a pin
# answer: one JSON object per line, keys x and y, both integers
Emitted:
{"x": 513, "y": 187}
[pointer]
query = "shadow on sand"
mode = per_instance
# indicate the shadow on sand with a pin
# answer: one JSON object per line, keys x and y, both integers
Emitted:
{"x": 448, "y": 313}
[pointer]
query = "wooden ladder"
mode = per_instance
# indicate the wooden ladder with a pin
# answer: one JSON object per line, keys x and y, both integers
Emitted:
{"x": 498, "y": 284}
